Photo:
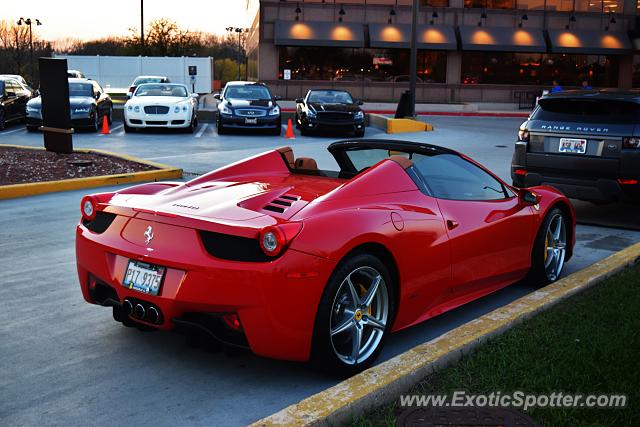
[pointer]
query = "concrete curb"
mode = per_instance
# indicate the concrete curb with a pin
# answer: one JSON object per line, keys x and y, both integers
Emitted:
{"x": 35, "y": 188}
{"x": 384, "y": 382}
{"x": 391, "y": 125}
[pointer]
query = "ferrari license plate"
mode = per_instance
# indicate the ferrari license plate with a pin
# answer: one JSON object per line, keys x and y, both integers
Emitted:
{"x": 250, "y": 121}
{"x": 573, "y": 145}
{"x": 143, "y": 277}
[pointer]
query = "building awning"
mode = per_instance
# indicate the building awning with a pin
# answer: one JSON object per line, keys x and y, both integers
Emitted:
{"x": 503, "y": 39}
{"x": 436, "y": 37}
{"x": 316, "y": 33}
{"x": 589, "y": 42}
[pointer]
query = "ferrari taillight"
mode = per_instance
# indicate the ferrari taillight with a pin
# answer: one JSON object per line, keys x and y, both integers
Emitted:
{"x": 275, "y": 238}
{"x": 88, "y": 208}
{"x": 89, "y": 204}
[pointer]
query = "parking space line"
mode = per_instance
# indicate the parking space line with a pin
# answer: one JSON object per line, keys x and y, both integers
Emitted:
{"x": 7, "y": 132}
{"x": 202, "y": 129}
{"x": 115, "y": 128}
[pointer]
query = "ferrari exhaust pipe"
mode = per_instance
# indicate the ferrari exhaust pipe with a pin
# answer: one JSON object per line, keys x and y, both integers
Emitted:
{"x": 127, "y": 307}
{"x": 139, "y": 311}
{"x": 153, "y": 315}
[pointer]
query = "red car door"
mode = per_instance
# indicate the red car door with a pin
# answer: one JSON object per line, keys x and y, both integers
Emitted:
{"x": 490, "y": 242}
{"x": 489, "y": 228}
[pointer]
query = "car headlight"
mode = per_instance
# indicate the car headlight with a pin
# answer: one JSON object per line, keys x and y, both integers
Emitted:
{"x": 31, "y": 109}
{"x": 631, "y": 142}
{"x": 311, "y": 112}
{"x": 225, "y": 109}
{"x": 136, "y": 109}
{"x": 180, "y": 107}
{"x": 358, "y": 115}
{"x": 275, "y": 111}
{"x": 82, "y": 109}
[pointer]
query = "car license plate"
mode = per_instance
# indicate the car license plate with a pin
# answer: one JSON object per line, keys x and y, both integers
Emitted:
{"x": 143, "y": 277}
{"x": 250, "y": 121}
{"x": 573, "y": 145}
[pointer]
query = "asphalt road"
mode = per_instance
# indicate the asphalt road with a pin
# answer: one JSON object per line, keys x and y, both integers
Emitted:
{"x": 65, "y": 362}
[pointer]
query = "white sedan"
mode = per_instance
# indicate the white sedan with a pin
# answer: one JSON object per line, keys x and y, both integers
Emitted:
{"x": 161, "y": 105}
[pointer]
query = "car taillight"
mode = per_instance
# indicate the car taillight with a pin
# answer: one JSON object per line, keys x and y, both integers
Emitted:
{"x": 631, "y": 142}
{"x": 623, "y": 181}
{"x": 274, "y": 239}
{"x": 88, "y": 208}
{"x": 89, "y": 204}
{"x": 523, "y": 135}
{"x": 520, "y": 172}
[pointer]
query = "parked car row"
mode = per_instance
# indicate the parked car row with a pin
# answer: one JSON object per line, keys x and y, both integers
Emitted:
{"x": 249, "y": 105}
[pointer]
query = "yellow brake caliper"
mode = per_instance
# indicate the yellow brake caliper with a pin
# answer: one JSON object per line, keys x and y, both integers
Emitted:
{"x": 363, "y": 292}
{"x": 546, "y": 247}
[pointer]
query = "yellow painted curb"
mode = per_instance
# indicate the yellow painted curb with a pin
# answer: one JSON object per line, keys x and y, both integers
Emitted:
{"x": 390, "y": 125}
{"x": 35, "y": 188}
{"x": 384, "y": 382}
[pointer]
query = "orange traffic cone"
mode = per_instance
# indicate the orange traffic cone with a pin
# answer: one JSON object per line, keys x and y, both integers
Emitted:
{"x": 289, "y": 134}
{"x": 105, "y": 126}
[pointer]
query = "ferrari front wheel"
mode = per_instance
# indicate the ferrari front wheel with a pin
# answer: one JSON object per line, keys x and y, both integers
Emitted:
{"x": 550, "y": 249}
{"x": 354, "y": 315}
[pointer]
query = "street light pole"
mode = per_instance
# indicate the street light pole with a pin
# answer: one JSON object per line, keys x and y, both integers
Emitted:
{"x": 141, "y": 26}
{"x": 29, "y": 22}
{"x": 413, "y": 62}
{"x": 239, "y": 31}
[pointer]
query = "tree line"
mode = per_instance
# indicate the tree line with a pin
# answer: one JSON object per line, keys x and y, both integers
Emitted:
{"x": 163, "y": 37}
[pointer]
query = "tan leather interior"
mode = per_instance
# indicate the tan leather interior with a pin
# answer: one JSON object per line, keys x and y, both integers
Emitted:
{"x": 306, "y": 163}
{"x": 402, "y": 161}
{"x": 287, "y": 152}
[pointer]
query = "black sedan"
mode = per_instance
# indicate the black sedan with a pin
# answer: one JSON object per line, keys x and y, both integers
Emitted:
{"x": 247, "y": 105}
{"x": 585, "y": 143}
{"x": 13, "y": 100}
{"x": 331, "y": 110}
{"x": 88, "y": 103}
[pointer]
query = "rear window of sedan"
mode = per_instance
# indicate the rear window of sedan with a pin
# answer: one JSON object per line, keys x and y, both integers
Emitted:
{"x": 588, "y": 110}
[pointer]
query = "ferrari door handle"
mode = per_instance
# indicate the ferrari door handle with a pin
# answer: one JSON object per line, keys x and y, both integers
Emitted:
{"x": 451, "y": 224}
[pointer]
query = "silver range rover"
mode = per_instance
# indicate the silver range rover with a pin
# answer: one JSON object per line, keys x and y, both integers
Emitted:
{"x": 585, "y": 143}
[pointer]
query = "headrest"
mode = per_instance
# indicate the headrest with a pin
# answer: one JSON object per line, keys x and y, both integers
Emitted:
{"x": 402, "y": 161}
{"x": 306, "y": 163}
{"x": 287, "y": 152}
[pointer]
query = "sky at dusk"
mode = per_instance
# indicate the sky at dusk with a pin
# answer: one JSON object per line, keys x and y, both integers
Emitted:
{"x": 98, "y": 19}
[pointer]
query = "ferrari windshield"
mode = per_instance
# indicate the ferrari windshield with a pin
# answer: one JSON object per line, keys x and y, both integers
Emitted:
{"x": 80, "y": 89}
{"x": 330, "y": 97}
{"x": 161, "y": 90}
{"x": 247, "y": 92}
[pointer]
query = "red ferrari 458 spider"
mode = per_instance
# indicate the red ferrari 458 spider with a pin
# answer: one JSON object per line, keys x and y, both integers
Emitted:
{"x": 293, "y": 262}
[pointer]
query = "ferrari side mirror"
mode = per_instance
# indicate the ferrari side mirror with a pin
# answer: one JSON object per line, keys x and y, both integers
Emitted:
{"x": 529, "y": 197}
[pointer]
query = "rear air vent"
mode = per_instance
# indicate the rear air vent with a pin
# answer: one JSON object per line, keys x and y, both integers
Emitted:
{"x": 100, "y": 223}
{"x": 281, "y": 203}
{"x": 232, "y": 248}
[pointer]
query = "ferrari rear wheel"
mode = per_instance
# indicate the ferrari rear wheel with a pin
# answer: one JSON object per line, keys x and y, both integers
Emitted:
{"x": 550, "y": 249}
{"x": 354, "y": 315}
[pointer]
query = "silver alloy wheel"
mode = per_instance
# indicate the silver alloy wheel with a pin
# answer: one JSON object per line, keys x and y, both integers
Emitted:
{"x": 555, "y": 247}
{"x": 359, "y": 315}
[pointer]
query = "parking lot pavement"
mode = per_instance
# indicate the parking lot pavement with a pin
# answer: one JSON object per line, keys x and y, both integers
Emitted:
{"x": 67, "y": 362}
{"x": 200, "y": 152}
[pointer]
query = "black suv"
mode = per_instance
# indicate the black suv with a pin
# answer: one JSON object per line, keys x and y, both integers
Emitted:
{"x": 248, "y": 105}
{"x": 585, "y": 143}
